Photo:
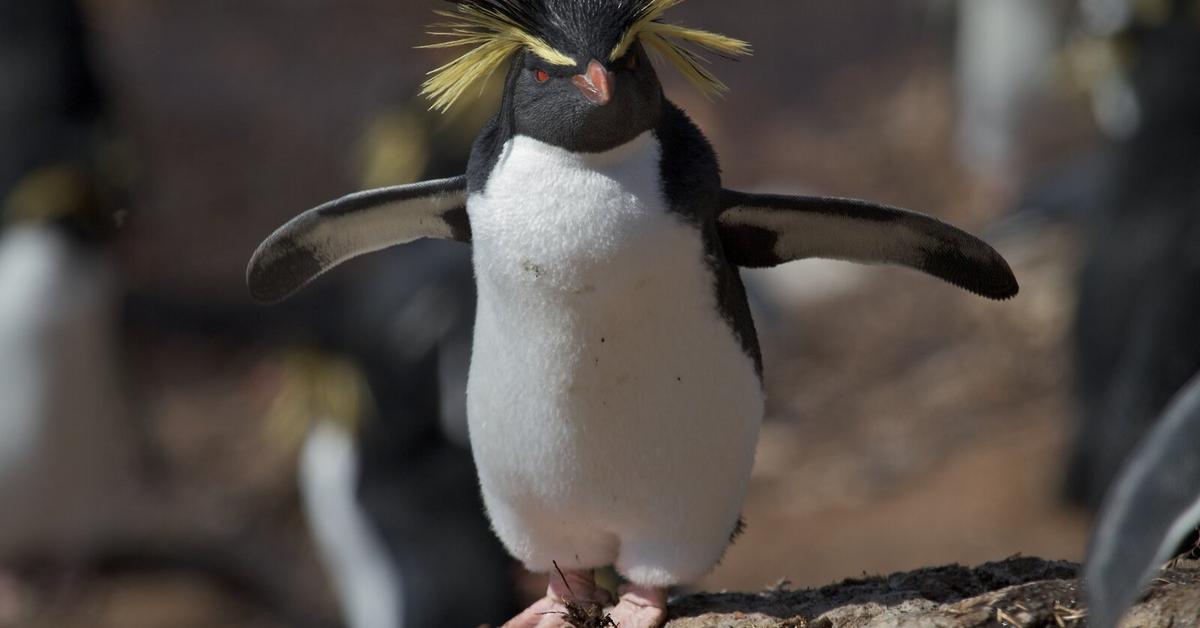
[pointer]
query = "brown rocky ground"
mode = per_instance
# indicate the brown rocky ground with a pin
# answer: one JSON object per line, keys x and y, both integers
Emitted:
{"x": 1014, "y": 593}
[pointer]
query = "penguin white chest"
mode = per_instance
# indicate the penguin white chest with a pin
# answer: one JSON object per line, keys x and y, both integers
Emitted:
{"x": 605, "y": 386}
{"x": 567, "y": 224}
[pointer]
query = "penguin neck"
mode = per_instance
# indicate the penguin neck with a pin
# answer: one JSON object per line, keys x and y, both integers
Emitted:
{"x": 623, "y": 153}
{"x": 600, "y": 161}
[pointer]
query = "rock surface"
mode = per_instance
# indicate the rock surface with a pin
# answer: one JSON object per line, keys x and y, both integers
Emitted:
{"x": 1017, "y": 592}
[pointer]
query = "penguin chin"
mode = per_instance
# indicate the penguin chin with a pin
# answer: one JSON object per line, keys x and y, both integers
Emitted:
{"x": 585, "y": 127}
{"x": 603, "y": 128}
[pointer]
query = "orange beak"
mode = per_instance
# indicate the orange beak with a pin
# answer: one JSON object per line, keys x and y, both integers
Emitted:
{"x": 595, "y": 84}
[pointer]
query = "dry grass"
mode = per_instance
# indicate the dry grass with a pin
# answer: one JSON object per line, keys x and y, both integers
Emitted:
{"x": 583, "y": 613}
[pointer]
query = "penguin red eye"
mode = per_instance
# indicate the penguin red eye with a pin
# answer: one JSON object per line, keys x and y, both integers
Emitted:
{"x": 541, "y": 75}
{"x": 631, "y": 61}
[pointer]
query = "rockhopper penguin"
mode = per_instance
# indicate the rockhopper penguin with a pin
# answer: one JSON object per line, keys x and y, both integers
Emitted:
{"x": 615, "y": 390}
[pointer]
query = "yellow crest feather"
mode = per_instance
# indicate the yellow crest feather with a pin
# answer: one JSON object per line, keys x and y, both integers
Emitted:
{"x": 650, "y": 10}
{"x": 662, "y": 37}
{"x": 495, "y": 37}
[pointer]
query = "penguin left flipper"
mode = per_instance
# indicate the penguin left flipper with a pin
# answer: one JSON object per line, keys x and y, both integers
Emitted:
{"x": 1151, "y": 508}
{"x": 763, "y": 230}
{"x": 330, "y": 234}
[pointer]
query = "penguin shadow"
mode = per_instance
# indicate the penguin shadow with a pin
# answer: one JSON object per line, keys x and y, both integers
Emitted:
{"x": 941, "y": 585}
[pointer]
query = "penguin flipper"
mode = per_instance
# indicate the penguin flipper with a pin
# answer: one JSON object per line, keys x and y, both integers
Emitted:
{"x": 1151, "y": 508}
{"x": 359, "y": 223}
{"x": 763, "y": 230}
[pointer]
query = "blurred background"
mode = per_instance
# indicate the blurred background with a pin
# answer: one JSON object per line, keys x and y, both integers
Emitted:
{"x": 172, "y": 454}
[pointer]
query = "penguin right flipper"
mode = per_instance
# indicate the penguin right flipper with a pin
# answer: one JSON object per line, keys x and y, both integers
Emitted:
{"x": 763, "y": 230}
{"x": 1151, "y": 508}
{"x": 359, "y": 223}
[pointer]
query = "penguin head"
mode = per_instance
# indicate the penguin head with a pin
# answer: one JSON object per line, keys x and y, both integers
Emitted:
{"x": 580, "y": 76}
{"x": 593, "y": 106}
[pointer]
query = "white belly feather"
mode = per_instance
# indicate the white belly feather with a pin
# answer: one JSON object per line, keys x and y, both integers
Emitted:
{"x": 608, "y": 399}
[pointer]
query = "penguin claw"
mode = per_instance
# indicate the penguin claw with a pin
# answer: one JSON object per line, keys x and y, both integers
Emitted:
{"x": 640, "y": 607}
{"x": 572, "y": 601}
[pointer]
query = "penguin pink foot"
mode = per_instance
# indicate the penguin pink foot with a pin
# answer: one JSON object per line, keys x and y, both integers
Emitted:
{"x": 575, "y": 587}
{"x": 640, "y": 607}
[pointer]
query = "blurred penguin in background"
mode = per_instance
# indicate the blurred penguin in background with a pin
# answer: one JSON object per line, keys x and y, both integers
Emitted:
{"x": 389, "y": 490}
{"x": 378, "y": 396}
{"x": 72, "y": 501}
{"x": 1136, "y": 198}
{"x": 61, "y": 446}
{"x": 1137, "y": 338}
{"x": 1154, "y": 506}
{"x": 372, "y": 395}
{"x": 374, "y": 370}
{"x": 1002, "y": 52}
